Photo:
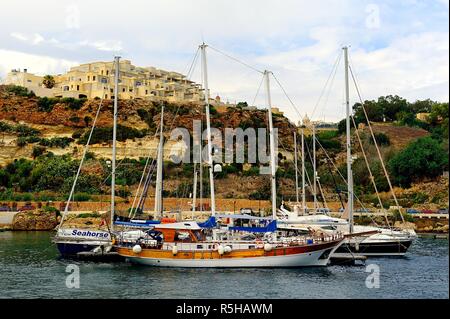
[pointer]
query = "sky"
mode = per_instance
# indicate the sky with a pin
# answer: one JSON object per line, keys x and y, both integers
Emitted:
{"x": 396, "y": 47}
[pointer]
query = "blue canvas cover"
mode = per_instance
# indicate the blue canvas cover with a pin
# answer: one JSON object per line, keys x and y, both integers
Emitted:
{"x": 271, "y": 227}
{"x": 210, "y": 223}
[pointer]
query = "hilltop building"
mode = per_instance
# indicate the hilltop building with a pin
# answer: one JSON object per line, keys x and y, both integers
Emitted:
{"x": 92, "y": 80}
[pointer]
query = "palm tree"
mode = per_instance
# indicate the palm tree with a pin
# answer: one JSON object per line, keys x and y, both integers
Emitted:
{"x": 49, "y": 81}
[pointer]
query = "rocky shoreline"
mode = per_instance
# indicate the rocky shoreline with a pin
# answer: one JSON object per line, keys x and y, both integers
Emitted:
{"x": 48, "y": 220}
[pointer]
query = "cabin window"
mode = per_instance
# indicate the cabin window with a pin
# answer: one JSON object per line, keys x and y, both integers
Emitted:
{"x": 182, "y": 236}
{"x": 251, "y": 247}
{"x": 199, "y": 246}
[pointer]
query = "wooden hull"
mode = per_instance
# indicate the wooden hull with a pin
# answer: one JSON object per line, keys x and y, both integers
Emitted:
{"x": 296, "y": 256}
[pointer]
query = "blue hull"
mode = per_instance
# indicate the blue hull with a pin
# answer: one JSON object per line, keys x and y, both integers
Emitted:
{"x": 66, "y": 249}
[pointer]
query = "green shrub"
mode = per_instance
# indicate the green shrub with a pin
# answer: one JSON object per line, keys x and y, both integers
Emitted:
{"x": 37, "y": 151}
{"x": 81, "y": 197}
{"x": 19, "y": 91}
{"x": 424, "y": 157}
{"x": 89, "y": 215}
{"x": 45, "y": 104}
{"x": 382, "y": 139}
{"x": 72, "y": 103}
{"x": 104, "y": 134}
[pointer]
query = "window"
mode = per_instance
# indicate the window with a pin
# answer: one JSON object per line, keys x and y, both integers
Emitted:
{"x": 106, "y": 96}
{"x": 146, "y": 92}
{"x": 78, "y": 87}
{"x": 93, "y": 78}
{"x": 199, "y": 246}
{"x": 89, "y": 77}
{"x": 104, "y": 80}
{"x": 123, "y": 90}
{"x": 107, "y": 72}
{"x": 251, "y": 247}
{"x": 66, "y": 88}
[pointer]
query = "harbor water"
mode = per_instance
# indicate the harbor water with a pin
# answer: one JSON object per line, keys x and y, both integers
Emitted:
{"x": 31, "y": 268}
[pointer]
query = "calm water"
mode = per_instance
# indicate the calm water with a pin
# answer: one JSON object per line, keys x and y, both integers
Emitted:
{"x": 30, "y": 268}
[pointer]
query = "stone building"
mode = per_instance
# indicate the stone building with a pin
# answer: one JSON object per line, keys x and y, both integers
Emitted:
{"x": 96, "y": 80}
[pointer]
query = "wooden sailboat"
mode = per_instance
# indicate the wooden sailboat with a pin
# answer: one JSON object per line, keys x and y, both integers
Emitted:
{"x": 186, "y": 244}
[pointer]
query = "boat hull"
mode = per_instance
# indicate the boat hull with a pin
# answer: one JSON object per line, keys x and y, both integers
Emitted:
{"x": 379, "y": 248}
{"x": 73, "y": 249}
{"x": 309, "y": 256}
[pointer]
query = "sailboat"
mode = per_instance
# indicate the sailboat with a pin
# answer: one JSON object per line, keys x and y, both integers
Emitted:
{"x": 382, "y": 241}
{"x": 79, "y": 242}
{"x": 190, "y": 244}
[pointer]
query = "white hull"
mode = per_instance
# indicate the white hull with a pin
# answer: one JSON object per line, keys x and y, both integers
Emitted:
{"x": 295, "y": 260}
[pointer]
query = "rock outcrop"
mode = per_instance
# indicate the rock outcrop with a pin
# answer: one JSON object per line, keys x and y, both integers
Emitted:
{"x": 37, "y": 220}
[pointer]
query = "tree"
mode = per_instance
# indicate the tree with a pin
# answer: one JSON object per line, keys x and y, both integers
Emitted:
{"x": 424, "y": 157}
{"x": 49, "y": 81}
{"x": 37, "y": 151}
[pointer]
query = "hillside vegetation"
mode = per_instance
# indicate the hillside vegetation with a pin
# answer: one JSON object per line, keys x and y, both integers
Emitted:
{"x": 42, "y": 140}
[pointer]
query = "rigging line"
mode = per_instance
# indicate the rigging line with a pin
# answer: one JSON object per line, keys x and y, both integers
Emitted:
{"x": 192, "y": 63}
{"x": 336, "y": 168}
{"x": 82, "y": 161}
{"x": 257, "y": 92}
{"x": 236, "y": 60}
{"x": 330, "y": 76}
{"x": 375, "y": 142}
{"x": 329, "y": 90}
{"x": 311, "y": 159}
{"x": 287, "y": 96}
{"x": 372, "y": 178}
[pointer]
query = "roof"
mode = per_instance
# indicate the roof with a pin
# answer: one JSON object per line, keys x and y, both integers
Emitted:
{"x": 242, "y": 216}
{"x": 180, "y": 225}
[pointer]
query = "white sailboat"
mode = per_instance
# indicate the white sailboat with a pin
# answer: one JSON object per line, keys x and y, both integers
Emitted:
{"x": 78, "y": 242}
{"x": 385, "y": 242}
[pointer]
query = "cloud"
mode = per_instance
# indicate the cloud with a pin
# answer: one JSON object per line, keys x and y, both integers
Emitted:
{"x": 404, "y": 52}
{"x": 37, "y": 64}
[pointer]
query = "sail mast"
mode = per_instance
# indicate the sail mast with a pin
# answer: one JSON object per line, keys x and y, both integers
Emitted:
{"x": 314, "y": 167}
{"x": 208, "y": 129}
{"x": 303, "y": 174}
{"x": 296, "y": 166}
{"x": 272, "y": 147}
{"x": 349, "y": 151}
{"x": 194, "y": 195}
{"x": 113, "y": 162}
{"x": 159, "y": 168}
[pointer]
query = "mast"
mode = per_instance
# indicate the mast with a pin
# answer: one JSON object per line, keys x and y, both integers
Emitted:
{"x": 296, "y": 166}
{"x": 303, "y": 174}
{"x": 349, "y": 150}
{"x": 113, "y": 162}
{"x": 159, "y": 168}
{"x": 194, "y": 195}
{"x": 272, "y": 148}
{"x": 314, "y": 168}
{"x": 208, "y": 129}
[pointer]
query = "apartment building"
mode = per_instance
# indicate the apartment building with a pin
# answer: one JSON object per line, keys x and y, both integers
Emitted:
{"x": 96, "y": 80}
